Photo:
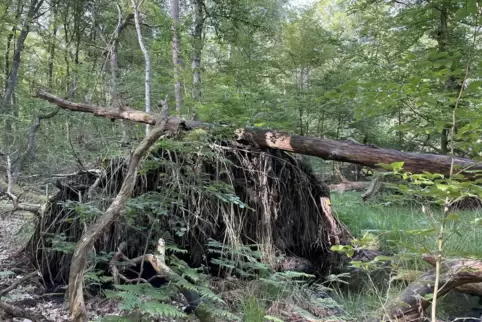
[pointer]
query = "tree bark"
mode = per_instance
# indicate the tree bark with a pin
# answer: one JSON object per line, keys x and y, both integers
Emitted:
{"x": 176, "y": 59}
{"x": 114, "y": 53}
{"x": 412, "y": 302}
{"x": 345, "y": 151}
{"x": 147, "y": 60}
{"x": 197, "y": 50}
{"x": 94, "y": 231}
{"x": 52, "y": 45}
{"x": 11, "y": 81}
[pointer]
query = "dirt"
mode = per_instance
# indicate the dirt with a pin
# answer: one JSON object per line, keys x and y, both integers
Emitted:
{"x": 31, "y": 296}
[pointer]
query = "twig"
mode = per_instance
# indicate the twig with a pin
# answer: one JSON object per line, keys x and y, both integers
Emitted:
{"x": 16, "y": 311}
{"x": 15, "y": 284}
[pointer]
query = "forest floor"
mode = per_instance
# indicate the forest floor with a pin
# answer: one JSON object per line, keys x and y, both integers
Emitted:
{"x": 361, "y": 299}
{"x": 30, "y": 295}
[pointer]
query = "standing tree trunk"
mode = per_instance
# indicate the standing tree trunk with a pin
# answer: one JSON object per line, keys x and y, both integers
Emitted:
{"x": 52, "y": 46}
{"x": 147, "y": 78}
{"x": 11, "y": 80}
{"x": 176, "y": 59}
{"x": 114, "y": 66}
{"x": 197, "y": 50}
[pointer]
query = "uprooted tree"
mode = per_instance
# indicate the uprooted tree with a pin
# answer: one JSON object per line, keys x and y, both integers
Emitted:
{"x": 224, "y": 190}
{"x": 291, "y": 206}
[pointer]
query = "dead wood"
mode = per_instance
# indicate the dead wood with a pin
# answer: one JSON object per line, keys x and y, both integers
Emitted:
{"x": 18, "y": 282}
{"x": 158, "y": 263}
{"x": 20, "y": 313}
{"x": 345, "y": 151}
{"x": 95, "y": 230}
{"x": 373, "y": 188}
{"x": 349, "y": 186}
{"x": 16, "y": 311}
{"x": 411, "y": 304}
{"x": 14, "y": 165}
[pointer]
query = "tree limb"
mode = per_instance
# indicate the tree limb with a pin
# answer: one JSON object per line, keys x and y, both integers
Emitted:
{"x": 95, "y": 230}
{"x": 415, "y": 299}
{"x": 16, "y": 311}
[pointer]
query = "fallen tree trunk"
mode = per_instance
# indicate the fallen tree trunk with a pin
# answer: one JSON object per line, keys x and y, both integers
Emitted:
{"x": 346, "y": 151}
{"x": 350, "y": 186}
{"x": 415, "y": 299}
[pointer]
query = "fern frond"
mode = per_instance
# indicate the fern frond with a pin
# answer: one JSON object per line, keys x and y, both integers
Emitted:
{"x": 162, "y": 309}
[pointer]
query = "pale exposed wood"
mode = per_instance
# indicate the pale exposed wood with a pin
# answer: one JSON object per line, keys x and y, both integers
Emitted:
{"x": 147, "y": 59}
{"x": 349, "y": 186}
{"x": 158, "y": 263}
{"x": 348, "y": 151}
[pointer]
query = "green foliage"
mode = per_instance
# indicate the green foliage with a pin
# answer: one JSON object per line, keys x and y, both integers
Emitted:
{"x": 145, "y": 298}
{"x": 383, "y": 73}
{"x": 253, "y": 311}
{"x": 243, "y": 260}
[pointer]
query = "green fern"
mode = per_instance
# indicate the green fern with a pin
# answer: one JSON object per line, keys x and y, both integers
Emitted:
{"x": 161, "y": 309}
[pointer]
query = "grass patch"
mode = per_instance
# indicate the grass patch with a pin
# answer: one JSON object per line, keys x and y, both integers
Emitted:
{"x": 393, "y": 224}
{"x": 396, "y": 228}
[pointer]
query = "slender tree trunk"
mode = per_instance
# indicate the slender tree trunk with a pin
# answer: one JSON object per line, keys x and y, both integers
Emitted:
{"x": 10, "y": 39}
{"x": 114, "y": 67}
{"x": 443, "y": 45}
{"x": 444, "y": 141}
{"x": 176, "y": 59}
{"x": 11, "y": 81}
{"x": 52, "y": 46}
{"x": 66, "y": 57}
{"x": 147, "y": 78}
{"x": 197, "y": 53}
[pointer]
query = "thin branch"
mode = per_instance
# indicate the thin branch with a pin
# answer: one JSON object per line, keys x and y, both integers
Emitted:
{"x": 18, "y": 282}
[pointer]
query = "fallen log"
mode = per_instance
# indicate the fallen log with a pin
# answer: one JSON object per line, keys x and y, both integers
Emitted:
{"x": 474, "y": 289}
{"x": 349, "y": 186}
{"x": 411, "y": 304}
{"x": 345, "y": 151}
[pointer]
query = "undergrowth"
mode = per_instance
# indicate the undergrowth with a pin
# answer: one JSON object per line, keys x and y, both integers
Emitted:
{"x": 403, "y": 231}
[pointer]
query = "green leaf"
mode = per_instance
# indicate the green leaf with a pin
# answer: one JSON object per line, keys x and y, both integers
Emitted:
{"x": 382, "y": 259}
{"x": 428, "y": 297}
{"x": 474, "y": 86}
{"x": 477, "y": 222}
{"x": 397, "y": 166}
{"x": 421, "y": 232}
{"x": 453, "y": 217}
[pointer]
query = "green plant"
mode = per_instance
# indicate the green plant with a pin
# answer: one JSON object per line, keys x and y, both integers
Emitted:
{"x": 253, "y": 310}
